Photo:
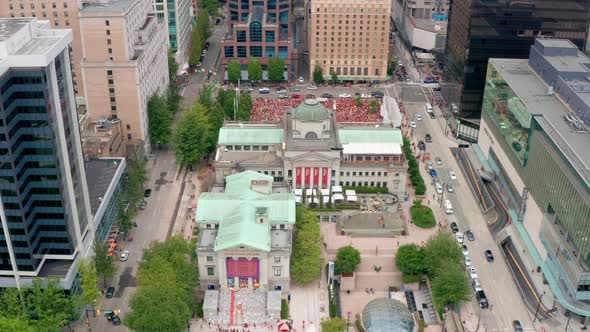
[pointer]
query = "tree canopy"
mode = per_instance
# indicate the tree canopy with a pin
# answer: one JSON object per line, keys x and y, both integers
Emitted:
{"x": 318, "y": 75}
{"x": 347, "y": 260}
{"x": 103, "y": 263}
{"x": 199, "y": 36}
{"x": 306, "y": 258}
{"x": 441, "y": 245}
{"x": 160, "y": 120}
{"x": 234, "y": 71}
{"x": 451, "y": 285}
{"x": 334, "y": 77}
{"x": 191, "y": 139}
{"x": 254, "y": 70}
{"x": 334, "y": 325}
{"x": 89, "y": 280}
{"x": 411, "y": 261}
{"x": 276, "y": 69}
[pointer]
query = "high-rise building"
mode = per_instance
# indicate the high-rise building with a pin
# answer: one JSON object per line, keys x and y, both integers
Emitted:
{"x": 177, "y": 15}
{"x": 422, "y": 23}
{"x": 535, "y": 136}
{"x": 350, "y": 38}
{"x": 260, "y": 29}
{"x": 44, "y": 201}
{"x": 478, "y": 31}
{"x": 125, "y": 62}
{"x": 62, "y": 14}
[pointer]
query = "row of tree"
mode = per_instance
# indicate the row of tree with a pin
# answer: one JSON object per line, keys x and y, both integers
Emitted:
{"x": 413, "y": 168}
{"x": 167, "y": 277}
{"x": 306, "y": 258}
{"x": 275, "y": 70}
{"x": 442, "y": 260}
{"x": 199, "y": 37}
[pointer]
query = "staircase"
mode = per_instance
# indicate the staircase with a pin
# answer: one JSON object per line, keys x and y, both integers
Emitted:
{"x": 428, "y": 299}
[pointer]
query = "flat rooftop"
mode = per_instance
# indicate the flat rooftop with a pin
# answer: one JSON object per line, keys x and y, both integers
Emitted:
{"x": 548, "y": 111}
{"x": 250, "y": 157}
{"x": 280, "y": 239}
{"x": 113, "y": 6}
{"x": 99, "y": 174}
{"x": 9, "y": 27}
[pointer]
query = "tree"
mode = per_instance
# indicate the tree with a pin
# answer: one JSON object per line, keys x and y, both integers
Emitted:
{"x": 160, "y": 120}
{"x": 318, "y": 75}
{"x": 172, "y": 68}
{"x": 125, "y": 219}
{"x": 191, "y": 136}
{"x": 203, "y": 24}
{"x": 347, "y": 260}
{"x": 211, "y": 6}
{"x": 157, "y": 308}
{"x": 451, "y": 285}
{"x": 254, "y": 70}
{"x": 334, "y": 325}
{"x": 245, "y": 108}
{"x": 373, "y": 105}
{"x": 276, "y": 69}
{"x": 334, "y": 78}
{"x": 49, "y": 302}
{"x": 206, "y": 96}
{"x": 411, "y": 261}
{"x": 89, "y": 279}
{"x": 103, "y": 263}
{"x": 196, "y": 47}
{"x": 12, "y": 304}
{"x": 307, "y": 260}
{"x": 441, "y": 245}
{"x": 234, "y": 71}
{"x": 8, "y": 323}
{"x": 136, "y": 177}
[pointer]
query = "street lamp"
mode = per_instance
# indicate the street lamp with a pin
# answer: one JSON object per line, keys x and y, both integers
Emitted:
{"x": 538, "y": 306}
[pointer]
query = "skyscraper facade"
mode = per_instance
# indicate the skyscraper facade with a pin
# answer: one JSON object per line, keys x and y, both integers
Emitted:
{"x": 44, "y": 202}
{"x": 479, "y": 30}
{"x": 177, "y": 15}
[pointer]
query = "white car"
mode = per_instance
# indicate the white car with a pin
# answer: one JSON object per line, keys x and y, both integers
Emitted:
{"x": 452, "y": 175}
{"x": 476, "y": 285}
{"x": 472, "y": 272}
{"x": 429, "y": 165}
{"x": 467, "y": 261}
{"x": 281, "y": 91}
{"x": 412, "y": 124}
{"x": 312, "y": 87}
{"x": 438, "y": 187}
{"x": 418, "y": 117}
{"x": 124, "y": 256}
{"x": 450, "y": 187}
{"x": 344, "y": 95}
{"x": 459, "y": 237}
{"x": 365, "y": 96}
{"x": 465, "y": 250}
{"x": 300, "y": 80}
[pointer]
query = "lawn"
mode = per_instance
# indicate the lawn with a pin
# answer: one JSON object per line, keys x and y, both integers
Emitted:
{"x": 422, "y": 216}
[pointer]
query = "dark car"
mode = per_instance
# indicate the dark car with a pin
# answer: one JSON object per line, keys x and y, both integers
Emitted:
{"x": 327, "y": 95}
{"x": 109, "y": 314}
{"x": 454, "y": 227}
{"x": 482, "y": 299}
{"x": 421, "y": 145}
{"x": 206, "y": 45}
{"x": 470, "y": 235}
{"x": 489, "y": 255}
{"x": 517, "y": 326}
{"x": 377, "y": 94}
{"x": 433, "y": 173}
{"x": 116, "y": 320}
{"x": 147, "y": 192}
{"x": 516, "y": 146}
{"x": 428, "y": 138}
{"x": 110, "y": 292}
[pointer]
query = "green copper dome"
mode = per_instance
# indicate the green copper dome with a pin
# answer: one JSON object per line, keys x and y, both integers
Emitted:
{"x": 311, "y": 110}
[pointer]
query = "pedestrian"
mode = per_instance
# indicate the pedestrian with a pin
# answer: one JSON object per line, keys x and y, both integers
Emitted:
{"x": 398, "y": 243}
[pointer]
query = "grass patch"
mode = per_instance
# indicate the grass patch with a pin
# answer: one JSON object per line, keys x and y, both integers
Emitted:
{"x": 284, "y": 309}
{"x": 368, "y": 190}
{"x": 410, "y": 278}
{"x": 348, "y": 206}
{"x": 359, "y": 326}
{"x": 422, "y": 216}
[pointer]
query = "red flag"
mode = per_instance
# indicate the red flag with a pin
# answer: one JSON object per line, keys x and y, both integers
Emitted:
{"x": 316, "y": 176}
{"x": 325, "y": 176}
{"x": 298, "y": 176}
{"x": 307, "y": 176}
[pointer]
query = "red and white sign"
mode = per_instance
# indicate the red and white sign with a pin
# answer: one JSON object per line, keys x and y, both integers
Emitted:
{"x": 316, "y": 176}
{"x": 325, "y": 176}
{"x": 307, "y": 176}
{"x": 298, "y": 176}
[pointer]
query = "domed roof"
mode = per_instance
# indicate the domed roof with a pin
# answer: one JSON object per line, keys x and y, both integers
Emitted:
{"x": 311, "y": 110}
{"x": 387, "y": 315}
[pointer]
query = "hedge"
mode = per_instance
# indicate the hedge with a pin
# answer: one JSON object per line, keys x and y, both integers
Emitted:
{"x": 348, "y": 206}
{"x": 284, "y": 309}
{"x": 413, "y": 169}
{"x": 368, "y": 190}
{"x": 422, "y": 216}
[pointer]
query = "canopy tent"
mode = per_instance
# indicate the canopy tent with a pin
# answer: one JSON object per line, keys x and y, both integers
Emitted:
{"x": 351, "y": 198}
{"x": 336, "y": 189}
{"x": 316, "y": 200}
{"x": 338, "y": 197}
{"x": 350, "y": 193}
{"x": 298, "y": 192}
{"x": 308, "y": 192}
{"x": 326, "y": 199}
{"x": 325, "y": 192}
{"x": 298, "y": 199}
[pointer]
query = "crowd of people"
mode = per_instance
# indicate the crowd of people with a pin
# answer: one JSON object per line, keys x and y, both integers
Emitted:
{"x": 347, "y": 110}
{"x": 249, "y": 311}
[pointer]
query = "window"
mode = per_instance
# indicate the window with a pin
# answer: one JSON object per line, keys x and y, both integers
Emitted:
{"x": 109, "y": 72}
{"x": 277, "y": 259}
{"x": 228, "y": 51}
{"x": 110, "y": 51}
{"x": 255, "y": 51}
{"x": 283, "y": 52}
{"x": 108, "y": 42}
{"x": 255, "y": 32}
{"x": 209, "y": 259}
{"x": 241, "y": 36}
{"x": 54, "y": 5}
{"x": 108, "y": 32}
{"x": 270, "y": 51}
{"x": 276, "y": 271}
{"x": 128, "y": 137}
{"x": 128, "y": 127}
{"x": 241, "y": 51}
{"x": 269, "y": 36}
{"x": 210, "y": 271}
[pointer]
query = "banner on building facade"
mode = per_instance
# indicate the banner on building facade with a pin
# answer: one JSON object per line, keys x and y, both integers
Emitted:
{"x": 316, "y": 176}
{"x": 298, "y": 176}
{"x": 325, "y": 177}
{"x": 307, "y": 176}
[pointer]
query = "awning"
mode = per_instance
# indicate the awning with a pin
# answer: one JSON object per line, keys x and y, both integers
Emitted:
{"x": 336, "y": 189}
{"x": 298, "y": 192}
{"x": 316, "y": 200}
{"x": 326, "y": 199}
{"x": 350, "y": 193}
{"x": 372, "y": 148}
{"x": 338, "y": 197}
{"x": 351, "y": 198}
{"x": 325, "y": 192}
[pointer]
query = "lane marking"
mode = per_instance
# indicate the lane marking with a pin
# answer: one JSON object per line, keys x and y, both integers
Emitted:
{"x": 526, "y": 279}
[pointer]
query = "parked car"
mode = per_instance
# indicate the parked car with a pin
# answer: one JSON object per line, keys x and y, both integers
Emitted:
{"x": 377, "y": 94}
{"x": 295, "y": 89}
{"x": 429, "y": 165}
{"x": 428, "y": 138}
{"x": 459, "y": 237}
{"x": 421, "y": 145}
{"x": 472, "y": 272}
{"x": 433, "y": 173}
{"x": 448, "y": 207}
{"x": 147, "y": 192}
{"x": 464, "y": 250}
{"x": 517, "y": 326}
{"x": 469, "y": 235}
{"x": 116, "y": 320}
{"x": 418, "y": 117}
{"x": 467, "y": 261}
{"x": 412, "y": 124}
{"x": 450, "y": 187}
{"x": 312, "y": 87}
{"x": 110, "y": 292}
{"x": 517, "y": 146}
{"x": 295, "y": 96}
{"x": 327, "y": 95}
{"x": 452, "y": 175}
{"x": 344, "y": 95}
{"x": 482, "y": 299}
{"x": 365, "y": 96}
{"x": 142, "y": 204}
{"x": 489, "y": 255}
{"x": 281, "y": 90}
{"x": 300, "y": 80}
{"x": 454, "y": 227}
{"x": 476, "y": 285}
{"x": 283, "y": 96}
{"x": 264, "y": 91}
{"x": 438, "y": 161}
{"x": 438, "y": 187}
{"x": 124, "y": 256}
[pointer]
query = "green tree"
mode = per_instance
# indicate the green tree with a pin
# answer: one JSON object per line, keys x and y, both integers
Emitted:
{"x": 307, "y": 260}
{"x": 334, "y": 78}
{"x": 160, "y": 120}
{"x": 358, "y": 100}
{"x": 196, "y": 47}
{"x": 191, "y": 139}
{"x": 438, "y": 246}
{"x": 103, "y": 263}
{"x": 318, "y": 75}
{"x": 89, "y": 280}
{"x": 172, "y": 68}
{"x": 245, "y": 108}
{"x": 11, "y": 303}
{"x": 373, "y": 105}
{"x": 50, "y": 303}
{"x": 136, "y": 177}
{"x": 334, "y": 325}
{"x": 254, "y": 70}
{"x": 8, "y": 323}
{"x": 347, "y": 260}
{"x": 410, "y": 259}
{"x": 211, "y": 6}
{"x": 206, "y": 96}
{"x": 451, "y": 285}
{"x": 203, "y": 24}
{"x": 276, "y": 69}
{"x": 125, "y": 219}
{"x": 234, "y": 71}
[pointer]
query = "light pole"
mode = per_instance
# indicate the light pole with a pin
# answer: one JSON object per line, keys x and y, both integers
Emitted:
{"x": 444, "y": 185}
{"x": 538, "y": 306}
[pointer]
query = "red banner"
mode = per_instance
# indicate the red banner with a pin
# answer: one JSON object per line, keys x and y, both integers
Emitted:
{"x": 325, "y": 177}
{"x": 298, "y": 176}
{"x": 307, "y": 176}
{"x": 316, "y": 176}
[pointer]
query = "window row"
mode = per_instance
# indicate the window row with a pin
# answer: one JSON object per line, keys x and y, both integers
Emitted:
{"x": 256, "y": 52}
{"x": 364, "y": 184}
{"x": 53, "y": 5}
{"x": 366, "y": 173}
{"x": 247, "y": 147}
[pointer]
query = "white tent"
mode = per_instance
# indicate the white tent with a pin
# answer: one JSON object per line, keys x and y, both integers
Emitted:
{"x": 325, "y": 192}
{"x": 298, "y": 192}
{"x": 338, "y": 197}
{"x": 308, "y": 192}
{"x": 350, "y": 193}
{"x": 297, "y": 199}
{"x": 336, "y": 189}
{"x": 326, "y": 199}
{"x": 316, "y": 200}
{"x": 351, "y": 198}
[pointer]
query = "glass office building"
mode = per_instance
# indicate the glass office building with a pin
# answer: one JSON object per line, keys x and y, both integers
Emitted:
{"x": 479, "y": 30}
{"x": 538, "y": 145}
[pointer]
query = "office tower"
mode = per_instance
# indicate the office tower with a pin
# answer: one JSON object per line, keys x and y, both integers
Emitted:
{"x": 350, "y": 38}
{"x": 259, "y": 29}
{"x": 479, "y": 30}
{"x": 62, "y": 14}
{"x": 125, "y": 62}
{"x": 45, "y": 209}
{"x": 422, "y": 23}
{"x": 534, "y": 136}
{"x": 177, "y": 15}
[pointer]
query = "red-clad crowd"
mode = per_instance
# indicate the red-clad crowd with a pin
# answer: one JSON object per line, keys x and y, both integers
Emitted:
{"x": 347, "y": 110}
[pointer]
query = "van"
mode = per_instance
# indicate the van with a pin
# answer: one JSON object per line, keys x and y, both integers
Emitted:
{"x": 448, "y": 207}
{"x": 428, "y": 108}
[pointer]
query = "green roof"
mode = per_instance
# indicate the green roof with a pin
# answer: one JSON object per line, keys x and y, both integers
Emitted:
{"x": 242, "y": 136}
{"x": 235, "y": 210}
{"x": 311, "y": 110}
{"x": 370, "y": 135}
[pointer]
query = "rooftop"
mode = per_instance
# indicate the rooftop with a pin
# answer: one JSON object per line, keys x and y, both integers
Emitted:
{"x": 244, "y": 135}
{"x": 369, "y": 135}
{"x": 113, "y": 6}
{"x": 548, "y": 111}
{"x": 9, "y": 27}
{"x": 311, "y": 110}
{"x": 99, "y": 174}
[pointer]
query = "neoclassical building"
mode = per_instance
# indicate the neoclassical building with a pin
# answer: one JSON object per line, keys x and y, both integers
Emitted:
{"x": 245, "y": 234}
{"x": 309, "y": 149}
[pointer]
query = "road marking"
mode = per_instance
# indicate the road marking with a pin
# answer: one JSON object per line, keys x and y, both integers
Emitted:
{"x": 476, "y": 183}
{"x": 526, "y": 280}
